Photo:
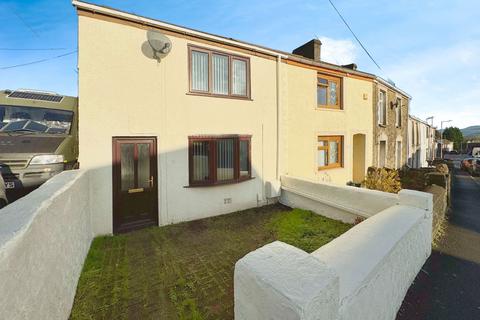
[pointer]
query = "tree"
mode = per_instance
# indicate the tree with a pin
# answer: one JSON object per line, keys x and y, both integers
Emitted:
{"x": 455, "y": 135}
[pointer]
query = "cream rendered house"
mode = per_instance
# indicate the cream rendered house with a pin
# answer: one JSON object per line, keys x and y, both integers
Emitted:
{"x": 170, "y": 141}
{"x": 210, "y": 127}
{"x": 328, "y": 118}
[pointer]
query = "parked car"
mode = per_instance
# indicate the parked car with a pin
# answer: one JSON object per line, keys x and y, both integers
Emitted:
{"x": 38, "y": 137}
{"x": 476, "y": 167}
{"x": 3, "y": 194}
{"x": 475, "y": 152}
{"x": 467, "y": 164}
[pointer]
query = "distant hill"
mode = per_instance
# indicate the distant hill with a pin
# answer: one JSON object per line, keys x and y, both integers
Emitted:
{"x": 471, "y": 131}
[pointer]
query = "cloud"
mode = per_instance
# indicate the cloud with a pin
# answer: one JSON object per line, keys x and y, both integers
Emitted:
{"x": 338, "y": 51}
{"x": 443, "y": 82}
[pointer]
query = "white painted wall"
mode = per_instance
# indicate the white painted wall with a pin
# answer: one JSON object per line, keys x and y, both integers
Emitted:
{"x": 374, "y": 263}
{"x": 341, "y": 203}
{"x": 279, "y": 281}
{"x": 44, "y": 239}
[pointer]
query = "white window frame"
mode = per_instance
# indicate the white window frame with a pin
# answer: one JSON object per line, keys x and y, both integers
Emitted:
{"x": 398, "y": 153}
{"x": 379, "y": 108}
{"x": 386, "y": 153}
{"x": 398, "y": 112}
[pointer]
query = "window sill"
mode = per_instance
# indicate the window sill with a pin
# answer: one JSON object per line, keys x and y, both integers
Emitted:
{"x": 382, "y": 125}
{"x": 330, "y": 167}
{"x": 216, "y": 184}
{"x": 327, "y": 108}
{"x": 211, "y": 95}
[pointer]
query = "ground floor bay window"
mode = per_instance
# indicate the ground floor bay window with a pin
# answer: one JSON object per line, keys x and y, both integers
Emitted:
{"x": 219, "y": 159}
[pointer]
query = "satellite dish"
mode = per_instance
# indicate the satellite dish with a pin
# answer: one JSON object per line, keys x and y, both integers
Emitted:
{"x": 159, "y": 43}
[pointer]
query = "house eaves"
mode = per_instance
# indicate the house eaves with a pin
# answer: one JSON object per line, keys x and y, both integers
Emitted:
{"x": 81, "y": 5}
{"x": 329, "y": 66}
{"x": 394, "y": 88}
{"x": 154, "y": 23}
{"x": 414, "y": 118}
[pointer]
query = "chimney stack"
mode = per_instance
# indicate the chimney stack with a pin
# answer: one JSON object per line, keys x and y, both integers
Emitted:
{"x": 310, "y": 50}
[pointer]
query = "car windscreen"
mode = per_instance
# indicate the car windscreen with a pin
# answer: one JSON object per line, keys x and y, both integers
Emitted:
{"x": 42, "y": 120}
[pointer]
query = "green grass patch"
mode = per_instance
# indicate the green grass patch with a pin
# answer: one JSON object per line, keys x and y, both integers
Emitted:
{"x": 306, "y": 230}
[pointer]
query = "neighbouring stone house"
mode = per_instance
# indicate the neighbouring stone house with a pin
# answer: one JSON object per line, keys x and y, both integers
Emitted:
{"x": 209, "y": 126}
{"x": 390, "y": 119}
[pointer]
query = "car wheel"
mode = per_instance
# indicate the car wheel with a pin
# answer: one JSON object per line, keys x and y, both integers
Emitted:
{"x": 3, "y": 203}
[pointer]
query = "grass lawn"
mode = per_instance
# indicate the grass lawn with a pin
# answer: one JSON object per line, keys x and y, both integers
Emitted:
{"x": 185, "y": 271}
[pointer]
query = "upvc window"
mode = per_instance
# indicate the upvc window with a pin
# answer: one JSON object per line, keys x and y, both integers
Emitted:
{"x": 398, "y": 113}
{"x": 328, "y": 92}
{"x": 329, "y": 152}
{"x": 218, "y": 73}
{"x": 382, "y": 108}
{"x": 219, "y": 159}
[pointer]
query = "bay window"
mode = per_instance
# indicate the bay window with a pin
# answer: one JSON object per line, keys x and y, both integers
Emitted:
{"x": 218, "y": 74}
{"x": 219, "y": 159}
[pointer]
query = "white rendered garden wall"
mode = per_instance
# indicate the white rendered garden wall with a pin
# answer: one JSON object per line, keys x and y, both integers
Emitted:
{"x": 363, "y": 274}
{"x": 44, "y": 239}
{"x": 341, "y": 203}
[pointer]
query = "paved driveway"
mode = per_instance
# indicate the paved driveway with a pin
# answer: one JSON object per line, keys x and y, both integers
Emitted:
{"x": 448, "y": 287}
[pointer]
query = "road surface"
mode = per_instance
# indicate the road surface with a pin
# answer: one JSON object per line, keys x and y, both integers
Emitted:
{"x": 448, "y": 287}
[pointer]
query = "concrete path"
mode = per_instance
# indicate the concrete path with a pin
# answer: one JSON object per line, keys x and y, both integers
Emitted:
{"x": 448, "y": 287}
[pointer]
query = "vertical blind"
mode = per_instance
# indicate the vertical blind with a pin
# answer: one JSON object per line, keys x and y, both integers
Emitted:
{"x": 200, "y": 153}
{"x": 220, "y": 74}
{"x": 239, "y": 85}
{"x": 225, "y": 165}
{"x": 199, "y": 71}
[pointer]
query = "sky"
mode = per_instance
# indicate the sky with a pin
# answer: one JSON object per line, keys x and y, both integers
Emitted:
{"x": 430, "y": 49}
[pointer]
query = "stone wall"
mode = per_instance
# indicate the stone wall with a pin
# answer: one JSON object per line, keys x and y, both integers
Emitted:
{"x": 440, "y": 206}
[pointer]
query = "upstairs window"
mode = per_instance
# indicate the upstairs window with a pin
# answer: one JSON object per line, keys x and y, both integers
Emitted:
{"x": 398, "y": 113}
{"x": 328, "y": 92}
{"x": 382, "y": 108}
{"x": 218, "y": 74}
{"x": 329, "y": 152}
{"x": 219, "y": 159}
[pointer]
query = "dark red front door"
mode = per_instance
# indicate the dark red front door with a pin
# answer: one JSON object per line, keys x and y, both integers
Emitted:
{"x": 135, "y": 196}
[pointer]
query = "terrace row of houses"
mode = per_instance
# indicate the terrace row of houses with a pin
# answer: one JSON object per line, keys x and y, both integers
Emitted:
{"x": 211, "y": 127}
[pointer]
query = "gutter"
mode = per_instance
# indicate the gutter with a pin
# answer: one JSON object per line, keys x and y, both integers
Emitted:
{"x": 387, "y": 84}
